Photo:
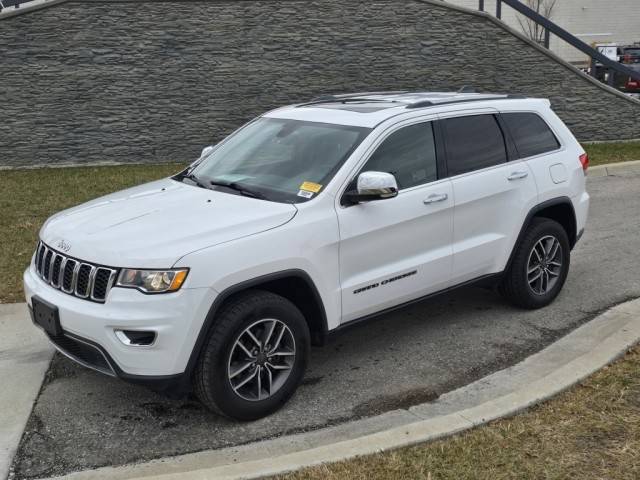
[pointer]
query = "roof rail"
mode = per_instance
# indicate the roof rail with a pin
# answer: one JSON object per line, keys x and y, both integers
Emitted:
{"x": 342, "y": 96}
{"x": 421, "y": 103}
{"x": 429, "y": 103}
{"x": 350, "y": 97}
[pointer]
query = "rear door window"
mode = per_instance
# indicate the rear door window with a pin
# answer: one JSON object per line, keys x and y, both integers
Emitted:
{"x": 473, "y": 142}
{"x": 530, "y": 133}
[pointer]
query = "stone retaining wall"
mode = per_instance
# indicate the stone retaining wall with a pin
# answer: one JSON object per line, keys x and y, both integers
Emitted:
{"x": 91, "y": 81}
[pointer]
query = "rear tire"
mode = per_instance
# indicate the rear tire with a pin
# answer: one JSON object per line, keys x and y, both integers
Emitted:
{"x": 255, "y": 357}
{"x": 539, "y": 267}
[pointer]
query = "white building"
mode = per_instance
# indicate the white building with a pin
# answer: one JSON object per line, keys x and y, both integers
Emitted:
{"x": 592, "y": 21}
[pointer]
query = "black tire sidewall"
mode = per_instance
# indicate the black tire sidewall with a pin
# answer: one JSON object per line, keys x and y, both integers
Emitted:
{"x": 226, "y": 399}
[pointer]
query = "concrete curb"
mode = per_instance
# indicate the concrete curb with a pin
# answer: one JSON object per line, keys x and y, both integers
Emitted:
{"x": 25, "y": 355}
{"x": 504, "y": 393}
{"x": 611, "y": 169}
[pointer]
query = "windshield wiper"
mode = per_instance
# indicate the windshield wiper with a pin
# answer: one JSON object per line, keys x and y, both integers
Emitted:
{"x": 194, "y": 179}
{"x": 239, "y": 187}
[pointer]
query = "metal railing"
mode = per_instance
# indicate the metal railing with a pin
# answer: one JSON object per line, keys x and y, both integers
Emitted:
{"x": 11, "y": 3}
{"x": 612, "y": 67}
{"x": 10, "y": 8}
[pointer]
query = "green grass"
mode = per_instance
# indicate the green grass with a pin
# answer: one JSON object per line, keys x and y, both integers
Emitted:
{"x": 603, "y": 153}
{"x": 29, "y": 197}
{"x": 591, "y": 432}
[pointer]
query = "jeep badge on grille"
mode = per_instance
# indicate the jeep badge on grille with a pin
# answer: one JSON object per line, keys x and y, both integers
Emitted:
{"x": 64, "y": 246}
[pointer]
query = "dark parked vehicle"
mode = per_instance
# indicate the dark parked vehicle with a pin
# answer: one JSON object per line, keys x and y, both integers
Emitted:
{"x": 630, "y": 57}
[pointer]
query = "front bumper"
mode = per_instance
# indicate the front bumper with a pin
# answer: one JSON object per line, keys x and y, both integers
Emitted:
{"x": 89, "y": 328}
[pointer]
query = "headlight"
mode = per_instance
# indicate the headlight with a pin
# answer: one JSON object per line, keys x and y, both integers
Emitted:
{"x": 153, "y": 281}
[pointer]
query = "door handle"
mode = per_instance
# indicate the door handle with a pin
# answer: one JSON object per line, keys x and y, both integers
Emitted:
{"x": 517, "y": 176}
{"x": 434, "y": 198}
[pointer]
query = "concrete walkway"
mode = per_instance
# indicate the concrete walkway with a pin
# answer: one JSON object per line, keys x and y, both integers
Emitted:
{"x": 504, "y": 393}
{"x": 613, "y": 169}
{"x": 24, "y": 358}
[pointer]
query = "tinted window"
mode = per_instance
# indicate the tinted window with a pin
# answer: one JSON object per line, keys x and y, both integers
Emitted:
{"x": 473, "y": 143}
{"x": 530, "y": 133}
{"x": 409, "y": 154}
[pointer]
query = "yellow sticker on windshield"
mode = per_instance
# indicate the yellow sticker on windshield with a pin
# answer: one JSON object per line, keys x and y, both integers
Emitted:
{"x": 311, "y": 187}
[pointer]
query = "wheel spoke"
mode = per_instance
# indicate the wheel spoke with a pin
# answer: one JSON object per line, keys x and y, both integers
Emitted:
{"x": 554, "y": 249}
{"x": 246, "y": 380}
{"x": 536, "y": 277}
{"x": 555, "y": 264}
{"x": 270, "y": 378}
{"x": 259, "y": 383}
{"x": 282, "y": 354}
{"x": 268, "y": 333}
{"x": 540, "y": 283}
{"x": 253, "y": 337}
{"x": 276, "y": 344}
{"x": 535, "y": 251}
{"x": 552, "y": 273}
{"x": 548, "y": 246}
{"x": 244, "y": 349}
{"x": 240, "y": 370}
{"x": 546, "y": 282}
{"x": 279, "y": 367}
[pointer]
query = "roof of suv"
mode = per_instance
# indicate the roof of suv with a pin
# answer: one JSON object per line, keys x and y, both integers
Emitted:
{"x": 368, "y": 109}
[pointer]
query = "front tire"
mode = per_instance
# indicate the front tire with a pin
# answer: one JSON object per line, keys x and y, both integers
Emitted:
{"x": 540, "y": 265}
{"x": 255, "y": 357}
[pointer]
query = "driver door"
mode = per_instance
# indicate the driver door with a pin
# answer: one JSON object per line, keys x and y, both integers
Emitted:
{"x": 398, "y": 249}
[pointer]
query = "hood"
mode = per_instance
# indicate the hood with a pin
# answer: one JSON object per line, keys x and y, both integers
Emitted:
{"x": 153, "y": 225}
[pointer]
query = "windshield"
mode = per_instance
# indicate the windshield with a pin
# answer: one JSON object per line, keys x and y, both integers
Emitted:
{"x": 279, "y": 160}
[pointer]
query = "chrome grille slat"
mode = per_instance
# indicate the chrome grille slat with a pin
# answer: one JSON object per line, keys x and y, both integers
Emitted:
{"x": 74, "y": 281}
{"x": 83, "y": 277}
{"x": 92, "y": 279}
{"x": 46, "y": 265}
{"x": 70, "y": 264}
{"x": 54, "y": 273}
{"x": 63, "y": 264}
{"x": 40, "y": 257}
{"x": 82, "y": 285}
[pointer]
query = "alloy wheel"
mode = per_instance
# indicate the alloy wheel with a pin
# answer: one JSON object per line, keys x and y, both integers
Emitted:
{"x": 544, "y": 265}
{"x": 261, "y": 359}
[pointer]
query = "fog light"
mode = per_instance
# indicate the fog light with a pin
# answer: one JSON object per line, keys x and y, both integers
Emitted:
{"x": 136, "y": 338}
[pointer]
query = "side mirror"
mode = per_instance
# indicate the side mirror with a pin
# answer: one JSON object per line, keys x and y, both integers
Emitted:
{"x": 373, "y": 186}
{"x": 206, "y": 151}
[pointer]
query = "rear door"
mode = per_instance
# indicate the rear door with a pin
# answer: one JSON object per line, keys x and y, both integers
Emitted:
{"x": 398, "y": 249}
{"x": 539, "y": 147}
{"x": 492, "y": 192}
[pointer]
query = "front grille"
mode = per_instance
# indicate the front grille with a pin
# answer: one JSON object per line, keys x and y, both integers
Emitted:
{"x": 82, "y": 352}
{"x": 73, "y": 276}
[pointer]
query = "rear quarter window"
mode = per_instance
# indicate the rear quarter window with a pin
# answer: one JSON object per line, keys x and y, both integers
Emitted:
{"x": 530, "y": 133}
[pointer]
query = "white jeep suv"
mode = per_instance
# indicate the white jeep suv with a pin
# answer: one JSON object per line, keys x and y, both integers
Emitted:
{"x": 308, "y": 219}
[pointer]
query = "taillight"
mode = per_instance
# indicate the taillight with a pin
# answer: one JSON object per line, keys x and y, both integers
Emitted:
{"x": 584, "y": 160}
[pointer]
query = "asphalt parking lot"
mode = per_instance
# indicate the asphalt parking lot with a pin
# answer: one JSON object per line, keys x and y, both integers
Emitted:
{"x": 83, "y": 419}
